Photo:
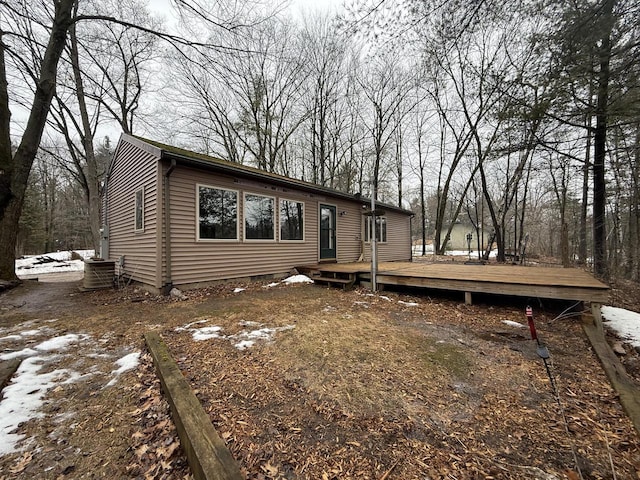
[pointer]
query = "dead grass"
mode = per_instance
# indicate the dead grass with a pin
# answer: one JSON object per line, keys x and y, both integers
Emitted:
{"x": 364, "y": 387}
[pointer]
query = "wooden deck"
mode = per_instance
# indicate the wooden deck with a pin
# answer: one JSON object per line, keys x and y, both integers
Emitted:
{"x": 535, "y": 282}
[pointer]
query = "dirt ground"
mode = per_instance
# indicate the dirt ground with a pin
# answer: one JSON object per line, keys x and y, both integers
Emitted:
{"x": 350, "y": 386}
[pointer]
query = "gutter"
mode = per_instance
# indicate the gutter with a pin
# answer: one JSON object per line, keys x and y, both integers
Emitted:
{"x": 168, "y": 284}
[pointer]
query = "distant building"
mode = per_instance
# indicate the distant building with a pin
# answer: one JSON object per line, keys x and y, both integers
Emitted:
{"x": 458, "y": 237}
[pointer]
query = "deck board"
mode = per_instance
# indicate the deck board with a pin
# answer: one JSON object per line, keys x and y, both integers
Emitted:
{"x": 542, "y": 282}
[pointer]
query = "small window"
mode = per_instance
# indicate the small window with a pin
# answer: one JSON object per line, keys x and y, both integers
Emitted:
{"x": 139, "y": 211}
{"x": 381, "y": 229}
{"x": 291, "y": 220}
{"x": 259, "y": 213}
{"x": 217, "y": 214}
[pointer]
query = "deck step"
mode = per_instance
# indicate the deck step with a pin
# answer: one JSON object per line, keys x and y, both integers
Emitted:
{"x": 333, "y": 280}
{"x": 346, "y": 283}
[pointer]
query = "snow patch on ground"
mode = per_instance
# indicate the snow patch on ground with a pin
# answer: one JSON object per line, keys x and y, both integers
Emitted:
{"x": 60, "y": 343}
{"x": 242, "y": 340}
{"x": 206, "y": 333}
{"x": 624, "y": 322}
{"x": 10, "y": 337}
{"x": 238, "y": 290}
{"x": 28, "y": 265}
{"x": 23, "y": 397}
{"x": 297, "y": 279}
{"x": 128, "y": 362}
{"x": 290, "y": 281}
{"x": 513, "y": 324}
{"x": 188, "y": 326}
{"x": 408, "y": 304}
{"x": 247, "y": 339}
{"x": 40, "y": 372}
{"x": 384, "y": 297}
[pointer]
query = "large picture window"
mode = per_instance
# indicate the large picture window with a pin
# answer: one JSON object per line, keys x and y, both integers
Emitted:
{"x": 139, "y": 211}
{"x": 291, "y": 220}
{"x": 259, "y": 213}
{"x": 381, "y": 229}
{"x": 217, "y": 213}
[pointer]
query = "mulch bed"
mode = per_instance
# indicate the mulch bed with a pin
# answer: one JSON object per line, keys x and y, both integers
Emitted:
{"x": 365, "y": 387}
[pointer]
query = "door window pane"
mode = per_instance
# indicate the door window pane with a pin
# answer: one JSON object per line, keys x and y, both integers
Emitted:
{"x": 326, "y": 228}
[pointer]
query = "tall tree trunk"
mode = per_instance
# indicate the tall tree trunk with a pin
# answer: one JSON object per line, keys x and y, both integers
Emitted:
{"x": 634, "y": 216}
{"x": 584, "y": 207}
{"x": 497, "y": 228}
{"x": 423, "y": 208}
{"x": 5, "y": 134}
{"x": 93, "y": 182}
{"x": 600, "y": 144}
{"x": 14, "y": 170}
{"x": 399, "y": 167}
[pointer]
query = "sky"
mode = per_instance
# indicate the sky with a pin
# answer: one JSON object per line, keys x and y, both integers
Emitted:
{"x": 295, "y": 8}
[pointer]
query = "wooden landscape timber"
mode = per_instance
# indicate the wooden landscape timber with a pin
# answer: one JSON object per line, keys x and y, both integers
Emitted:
{"x": 7, "y": 369}
{"x": 628, "y": 390}
{"x": 537, "y": 282}
{"x": 207, "y": 454}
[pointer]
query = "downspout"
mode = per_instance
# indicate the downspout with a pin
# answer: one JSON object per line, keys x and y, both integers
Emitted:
{"x": 372, "y": 239}
{"x": 411, "y": 237}
{"x": 168, "y": 284}
{"x": 104, "y": 231}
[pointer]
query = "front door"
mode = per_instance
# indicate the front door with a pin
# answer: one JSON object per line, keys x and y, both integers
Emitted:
{"x": 327, "y": 232}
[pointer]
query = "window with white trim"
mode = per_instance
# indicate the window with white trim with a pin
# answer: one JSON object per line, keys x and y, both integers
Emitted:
{"x": 259, "y": 217}
{"x": 138, "y": 222}
{"x": 291, "y": 220}
{"x": 381, "y": 229}
{"x": 217, "y": 213}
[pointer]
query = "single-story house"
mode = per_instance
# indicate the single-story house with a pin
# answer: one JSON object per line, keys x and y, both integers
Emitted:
{"x": 172, "y": 217}
{"x": 458, "y": 237}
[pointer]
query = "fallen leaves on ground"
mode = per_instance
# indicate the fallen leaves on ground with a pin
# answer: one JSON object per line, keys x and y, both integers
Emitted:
{"x": 366, "y": 387}
{"x": 154, "y": 439}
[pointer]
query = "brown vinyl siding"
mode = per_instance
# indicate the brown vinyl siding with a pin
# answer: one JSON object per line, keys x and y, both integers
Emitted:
{"x": 195, "y": 261}
{"x": 134, "y": 168}
{"x": 348, "y": 237}
{"x": 398, "y": 244}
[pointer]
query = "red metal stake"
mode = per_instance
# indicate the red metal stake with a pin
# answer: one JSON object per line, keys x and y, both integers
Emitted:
{"x": 532, "y": 327}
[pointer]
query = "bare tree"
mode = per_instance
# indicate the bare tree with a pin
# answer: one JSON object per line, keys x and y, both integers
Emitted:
{"x": 32, "y": 41}
{"x": 385, "y": 84}
{"x": 262, "y": 85}
{"x": 15, "y": 167}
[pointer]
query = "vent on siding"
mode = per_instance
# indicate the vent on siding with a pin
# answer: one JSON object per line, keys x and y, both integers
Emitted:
{"x": 98, "y": 274}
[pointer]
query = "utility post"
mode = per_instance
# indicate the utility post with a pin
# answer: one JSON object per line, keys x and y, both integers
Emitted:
{"x": 372, "y": 238}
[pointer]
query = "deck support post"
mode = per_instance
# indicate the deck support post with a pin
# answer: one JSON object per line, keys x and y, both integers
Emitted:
{"x": 596, "y": 313}
{"x": 467, "y": 298}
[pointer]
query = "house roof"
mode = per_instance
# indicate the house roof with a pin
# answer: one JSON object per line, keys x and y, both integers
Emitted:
{"x": 199, "y": 160}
